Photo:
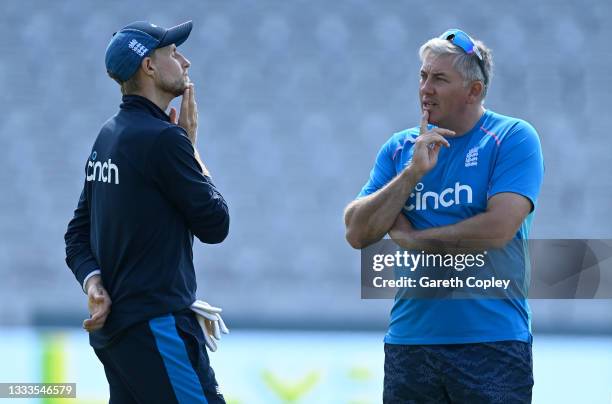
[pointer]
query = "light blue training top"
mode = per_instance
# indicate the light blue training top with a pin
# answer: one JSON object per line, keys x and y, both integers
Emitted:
{"x": 499, "y": 154}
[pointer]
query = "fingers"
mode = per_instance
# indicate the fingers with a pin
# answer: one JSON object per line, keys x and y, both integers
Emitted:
{"x": 210, "y": 327}
{"x": 88, "y": 325}
{"x": 216, "y": 330}
{"x": 204, "y": 324}
{"x": 99, "y": 309}
{"x": 100, "y": 297}
{"x": 431, "y": 139}
{"x": 210, "y": 343}
{"x": 199, "y": 304}
{"x": 96, "y": 322}
{"x": 94, "y": 325}
{"x": 222, "y": 326}
{"x": 188, "y": 117}
{"x": 194, "y": 105}
{"x": 443, "y": 132}
{"x": 212, "y": 324}
{"x": 207, "y": 315}
{"x": 189, "y": 98}
{"x": 185, "y": 102}
{"x": 172, "y": 115}
{"x": 100, "y": 313}
{"x": 424, "y": 122}
{"x": 97, "y": 295}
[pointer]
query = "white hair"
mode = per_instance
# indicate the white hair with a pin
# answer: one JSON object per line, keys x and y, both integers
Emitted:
{"x": 468, "y": 66}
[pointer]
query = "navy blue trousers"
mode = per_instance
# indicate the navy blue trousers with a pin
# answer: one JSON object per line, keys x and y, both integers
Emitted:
{"x": 488, "y": 373}
{"x": 163, "y": 360}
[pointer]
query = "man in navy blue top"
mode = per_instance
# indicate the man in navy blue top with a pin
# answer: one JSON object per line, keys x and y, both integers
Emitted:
{"x": 146, "y": 194}
{"x": 466, "y": 177}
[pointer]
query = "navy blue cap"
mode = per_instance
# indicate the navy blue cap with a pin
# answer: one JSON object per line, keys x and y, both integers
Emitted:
{"x": 136, "y": 41}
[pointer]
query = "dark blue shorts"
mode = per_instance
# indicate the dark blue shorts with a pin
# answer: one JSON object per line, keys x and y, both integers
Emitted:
{"x": 492, "y": 372}
{"x": 163, "y": 360}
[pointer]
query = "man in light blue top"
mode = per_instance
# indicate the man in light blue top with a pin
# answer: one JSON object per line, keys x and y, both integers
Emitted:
{"x": 467, "y": 177}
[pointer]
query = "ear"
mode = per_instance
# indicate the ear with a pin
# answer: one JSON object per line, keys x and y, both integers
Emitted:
{"x": 475, "y": 92}
{"x": 148, "y": 66}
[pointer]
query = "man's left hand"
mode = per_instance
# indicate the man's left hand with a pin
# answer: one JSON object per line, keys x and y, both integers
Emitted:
{"x": 98, "y": 303}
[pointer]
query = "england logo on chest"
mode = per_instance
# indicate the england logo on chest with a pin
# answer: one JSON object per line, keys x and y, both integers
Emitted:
{"x": 471, "y": 158}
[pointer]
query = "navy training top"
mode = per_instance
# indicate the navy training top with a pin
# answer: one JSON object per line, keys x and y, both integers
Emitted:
{"x": 143, "y": 200}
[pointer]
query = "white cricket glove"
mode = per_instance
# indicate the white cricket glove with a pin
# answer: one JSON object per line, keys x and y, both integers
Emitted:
{"x": 209, "y": 318}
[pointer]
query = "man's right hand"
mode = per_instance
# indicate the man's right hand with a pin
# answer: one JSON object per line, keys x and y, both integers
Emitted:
{"x": 188, "y": 120}
{"x": 427, "y": 146}
{"x": 98, "y": 303}
{"x": 188, "y": 117}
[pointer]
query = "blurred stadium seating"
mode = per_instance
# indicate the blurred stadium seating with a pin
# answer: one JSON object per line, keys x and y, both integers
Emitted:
{"x": 295, "y": 99}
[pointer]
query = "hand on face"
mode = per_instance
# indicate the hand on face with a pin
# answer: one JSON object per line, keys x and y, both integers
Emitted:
{"x": 172, "y": 68}
{"x": 188, "y": 117}
{"x": 427, "y": 146}
{"x": 442, "y": 90}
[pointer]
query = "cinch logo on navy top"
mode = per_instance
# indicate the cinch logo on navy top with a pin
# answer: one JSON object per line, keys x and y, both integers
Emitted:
{"x": 433, "y": 200}
{"x": 103, "y": 172}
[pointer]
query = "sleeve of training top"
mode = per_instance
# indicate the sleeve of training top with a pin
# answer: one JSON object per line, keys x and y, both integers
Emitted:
{"x": 178, "y": 174}
{"x": 382, "y": 172}
{"x": 519, "y": 167}
{"x": 78, "y": 249}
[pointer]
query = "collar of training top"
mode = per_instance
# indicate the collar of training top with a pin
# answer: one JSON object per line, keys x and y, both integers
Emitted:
{"x": 143, "y": 104}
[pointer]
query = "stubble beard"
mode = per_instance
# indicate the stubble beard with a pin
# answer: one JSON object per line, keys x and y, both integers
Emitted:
{"x": 176, "y": 87}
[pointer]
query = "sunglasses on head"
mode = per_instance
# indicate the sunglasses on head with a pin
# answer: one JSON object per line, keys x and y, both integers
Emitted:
{"x": 465, "y": 42}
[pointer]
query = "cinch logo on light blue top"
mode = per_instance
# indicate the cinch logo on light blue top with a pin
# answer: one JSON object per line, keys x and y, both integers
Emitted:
{"x": 499, "y": 154}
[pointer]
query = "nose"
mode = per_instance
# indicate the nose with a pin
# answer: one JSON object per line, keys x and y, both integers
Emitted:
{"x": 186, "y": 63}
{"x": 426, "y": 86}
